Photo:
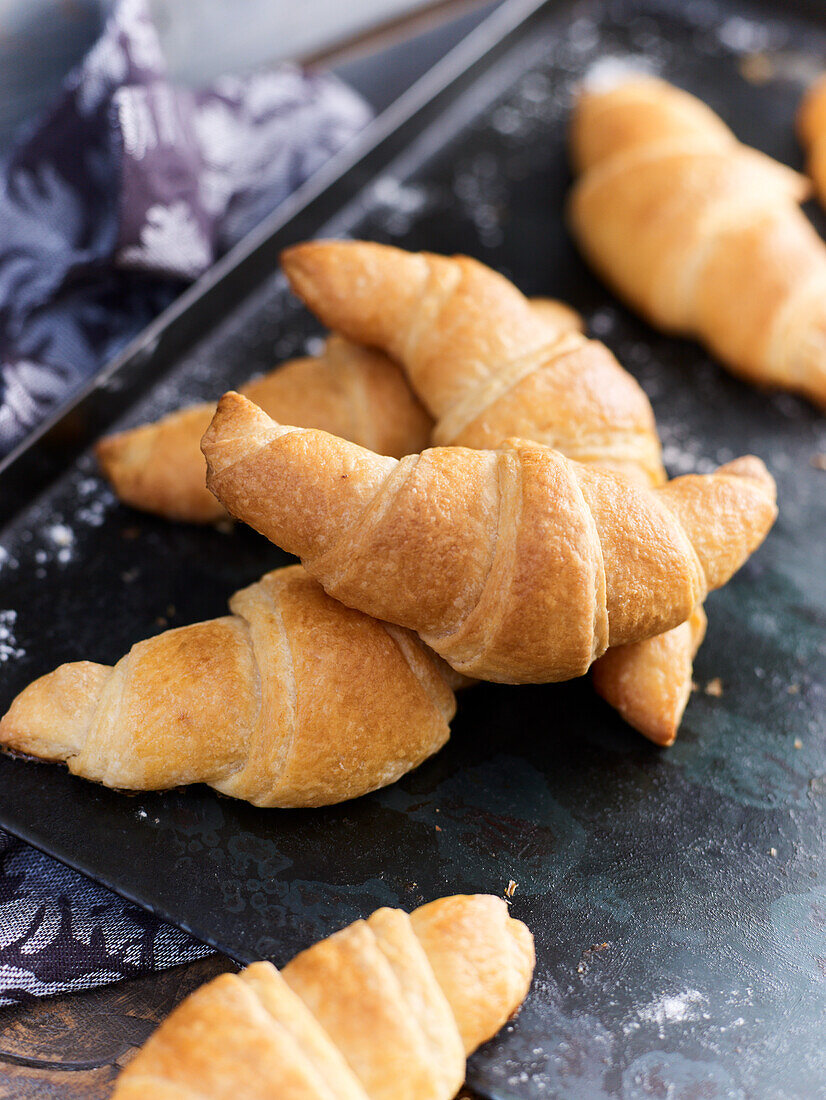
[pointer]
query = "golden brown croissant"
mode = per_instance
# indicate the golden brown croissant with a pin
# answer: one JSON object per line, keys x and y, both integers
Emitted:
{"x": 484, "y": 361}
{"x": 293, "y": 700}
{"x": 385, "y": 1009}
{"x": 347, "y": 390}
{"x": 508, "y": 378}
{"x": 811, "y": 128}
{"x": 515, "y": 565}
{"x": 704, "y": 236}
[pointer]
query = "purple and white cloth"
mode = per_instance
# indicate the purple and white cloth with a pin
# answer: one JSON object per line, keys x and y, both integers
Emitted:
{"x": 127, "y": 188}
{"x": 60, "y": 932}
{"x": 131, "y": 185}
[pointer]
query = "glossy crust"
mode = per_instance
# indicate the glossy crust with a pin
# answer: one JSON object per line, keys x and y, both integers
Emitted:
{"x": 293, "y": 700}
{"x": 811, "y": 129}
{"x": 515, "y": 565}
{"x": 347, "y": 390}
{"x": 385, "y": 1009}
{"x": 485, "y": 362}
{"x": 572, "y": 395}
{"x": 702, "y": 235}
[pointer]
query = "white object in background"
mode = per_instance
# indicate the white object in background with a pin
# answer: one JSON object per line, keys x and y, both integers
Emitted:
{"x": 204, "y": 38}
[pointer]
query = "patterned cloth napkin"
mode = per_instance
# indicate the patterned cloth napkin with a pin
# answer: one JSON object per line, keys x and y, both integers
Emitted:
{"x": 128, "y": 187}
{"x": 131, "y": 185}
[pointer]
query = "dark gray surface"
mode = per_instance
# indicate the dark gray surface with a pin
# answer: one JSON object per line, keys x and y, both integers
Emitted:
{"x": 677, "y": 897}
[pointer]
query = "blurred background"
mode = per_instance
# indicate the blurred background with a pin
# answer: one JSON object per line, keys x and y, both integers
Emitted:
{"x": 41, "y": 40}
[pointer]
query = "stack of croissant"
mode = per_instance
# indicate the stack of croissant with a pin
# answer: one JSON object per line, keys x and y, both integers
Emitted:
{"x": 475, "y": 491}
{"x": 538, "y": 537}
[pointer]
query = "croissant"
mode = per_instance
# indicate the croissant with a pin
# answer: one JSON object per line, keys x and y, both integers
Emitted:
{"x": 293, "y": 700}
{"x": 347, "y": 390}
{"x": 385, "y": 1009}
{"x": 702, "y": 235}
{"x": 515, "y": 565}
{"x": 508, "y": 377}
{"x": 811, "y": 128}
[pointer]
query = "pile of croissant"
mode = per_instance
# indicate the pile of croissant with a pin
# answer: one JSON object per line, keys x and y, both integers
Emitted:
{"x": 474, "y": 487}
{"x": 475, "y": 491}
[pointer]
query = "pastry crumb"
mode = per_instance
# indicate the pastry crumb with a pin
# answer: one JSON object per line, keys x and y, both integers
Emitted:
{"x": 798, "y": 744}
{"x": 438, "y": 828}
{"x": 511, "y": 889}
{"x": 772, "y": 852}
{"x": 793, "y": 689}
{"x": 588, "y": 954}
{"x": 757, "y": 68}
{"x": 714, "y": 687}
{"x": 818, "y": 460}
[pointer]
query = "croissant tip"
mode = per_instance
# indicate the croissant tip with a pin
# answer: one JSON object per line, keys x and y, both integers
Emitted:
{"x": 298, "y": 256}
{"x": 107, "y": 452}
{"x": 230, "y": 432}
{"x": 753, "y": 468}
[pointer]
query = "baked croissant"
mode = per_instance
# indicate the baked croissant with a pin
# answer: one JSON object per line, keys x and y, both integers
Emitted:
{"x": 508, "y": 377}
{"x": 347, "y": 390}
{"x": 811, "y": 128}
{"x": 293, "y": 700}
{"x": 484, "y": 362}
{"x": 515, "y": 565}
{"x": 385, "y": 1009}
{"x": 702, "y": 235}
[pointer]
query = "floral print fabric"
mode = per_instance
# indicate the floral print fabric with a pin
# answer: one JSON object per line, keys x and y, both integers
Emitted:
{"x": 131, "y": 185}
{"x": 60, "y": 932}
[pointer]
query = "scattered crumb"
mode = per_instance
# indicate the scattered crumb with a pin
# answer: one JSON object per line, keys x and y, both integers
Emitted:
{"x": 438, "y": 828}
{"x": 608, "y": 72}
{"x": 798, "y": 744}
{"x": 170, "y": 611}
{"x": 772, "y": 852}
{"x": 511, "y": 889}
{"x": 588, "y": 954}
{"x": 793, "y": 689}
{"x": 757, "y": 68}
{"x": 743, "y": 35}
{"x": 695, "y": 686}
{"x": 161, "y": 621}
{"x": 714, "y": 687}
{"x": 61, "y": 535}
{"x": 9, "y": 649}
{"x": 225, "y": 526}
{"x": 673, "y": 1008}
{"x": 818, "y": 460}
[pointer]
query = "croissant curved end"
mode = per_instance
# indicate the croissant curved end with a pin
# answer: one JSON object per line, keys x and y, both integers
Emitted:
{"x": 726, "y": 515}
{"x": 51, "y": 717}
{"x": 753, "y": 468}
{"x": 238, "y": 428}
{"x": 482, "y": 957}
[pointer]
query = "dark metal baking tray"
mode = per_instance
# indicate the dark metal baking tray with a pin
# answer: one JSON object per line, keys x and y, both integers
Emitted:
{"x": 678, "y": 898}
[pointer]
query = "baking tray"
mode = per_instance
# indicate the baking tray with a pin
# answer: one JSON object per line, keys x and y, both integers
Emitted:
{"x": 678, "y": 897}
